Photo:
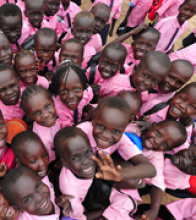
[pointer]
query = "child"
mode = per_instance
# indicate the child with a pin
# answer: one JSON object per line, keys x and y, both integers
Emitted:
{"x": 6, "y": 52}
{"x": 25, "y": 190}
{"x": 69, "y": 86}
{"x": 73, "y": 50}
{"x": 34, "y": 11}
{"x": 9, "y": 93}
{"x": 26, "y": 69}
{"x": 11, "y": 25}
{"x": 83, "y": 31}
{"x": 153, "y": 67}
{"x": 145, "y": 39}
{"x": 172, "y": 27}
{"x": 45, "y": 45}
{"x": 73, "y": 148}
{"x": 38, "y": 104}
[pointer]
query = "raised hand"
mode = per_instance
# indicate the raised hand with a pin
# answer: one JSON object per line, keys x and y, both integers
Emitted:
{"x": 63, "y": 202}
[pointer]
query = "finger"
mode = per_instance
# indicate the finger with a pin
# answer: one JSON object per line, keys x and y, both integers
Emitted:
{"x": 110, "y": 161}
{"x": 99, "y": 175}
{"x": 103, "y": 158}
{"x": 119, "y": 168}
{"x": 66, "y": 211}
{"x": 98, "y": 161}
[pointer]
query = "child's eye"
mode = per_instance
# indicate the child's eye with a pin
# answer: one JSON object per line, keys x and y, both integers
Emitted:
{"x": 48, "y": 105}
{"x": 146, "y": 76}
{"x": 45, "y": 154}
{"x": 103, "y": 62}
{"x": 158, "y": 133}
{"x": 89, "y": 151}
{"x": 165, "y": 145}
{"x": 63, "y": 92}
{"x": 74, "y": 158}
{"x": 27, "y": 200}
{"x": 114, "y": 67}
{"x": 182, "y": 98}
{"x": 33, "y": 69}
{"x": 32, "y": 161}
{"x": 116, "y": 132}
{"x": 39, "y": 185}
{"x": 171, "y": 77}
{"x": 40, "y": 51}
{"x": 36, "y": 113}
{"x": 51, "y": 51}
{"x": 77, "y": 89}
{"x": 13, "y": 85}
{"x": 100, "y": 126}
{"x": 192, "y": 157}
{"x": 192, "y": 106}
{"x": 7, "y": 31}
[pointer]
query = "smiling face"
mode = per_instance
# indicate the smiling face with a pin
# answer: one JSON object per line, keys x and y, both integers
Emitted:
{"x": 33, "y": 154}
{"x": 108, "y": 126}
{"x": 185, "y": 160}
{"x": 183, "y": 103}
{"x": 161, "y": 137}
{"x": 186, "y": 11}
{"x": 78, "y": 157}
{"x": 178, "y": 75}
{"x": 145, "y": 42}
{"x": 71, "y": 92}
{"x": 3, "y": 132}
{"x": 6, "y": 51}
{"x": 32, "y": 195}
{"x": 45, "y": 48}
{"x": 9, "y": 87}
{"x": 83, "y": 29}
{"x": 40, "y": 108}
{"x": 26, "y": 69}
{"x": 51, "y": 7}
{"x": 11, "y": 26}
{"x": 110, "y": 62}
{"x": 71, "y": 51}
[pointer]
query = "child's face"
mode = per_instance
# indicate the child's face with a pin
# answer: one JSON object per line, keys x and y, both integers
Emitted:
{"x": 3, "y": 132}
{"x": 11, "y": 26}
{"x": 27, "y": 69}
{"x": 83, "y": 29}
{"x": 40, "y": 108}
{"x": 186, "y": 11}
{"x": 9, "y": 87}
{"x": 45, "y": 49}
{"x": 110, "y": 62}
{"x": 71, "y": 93}
{"x": 183, "y": 103}
{"x": 108, "y": 126}
{"x": 35, "y": 13}
{"x": 7, "y": 212}
{"x": 32, "y": 195}
{"x": 147, "y": 76}
{"x": 101, "y": 18}
{"x": 51, "y": 7}
{"x": 145, "y": 42}
{"x": 65, "y": 4}
{"x": 162, "y": 137}
{"x": 185, "y": 160}
{"x": 34, "y": 156}
{"x": 71, "y": 51}
{"x": 78, "y": 157}
{"x": 178, "y": 75}
{"x": 6, "y": 51}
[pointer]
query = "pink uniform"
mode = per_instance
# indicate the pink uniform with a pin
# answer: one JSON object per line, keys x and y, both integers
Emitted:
{"x": 66, "y": 116}
{"x": 21, "y": 5}
{"x": 97, "y": 75}
{"x": 115, "y": 11}
{"x": 33, "y": 30}
{"x": 55, "y": 24}
{"x": 184, "y": 209}
{"x": 169, "y": 8}
{"x": 139, "y": 12}
{"x": 5, "y": 1}
{"x": 120, "y": 205}
{"x": 188, "y": 53}
{"x": 167, "y": 28}
{"x": 41, "y": 81}
{"x": 47, "y": 136}
{"x": 7, "y": 156}
{"x": 72, "y": 10}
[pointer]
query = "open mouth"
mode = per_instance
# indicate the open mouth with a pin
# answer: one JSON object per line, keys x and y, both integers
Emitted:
{"x": 148, "y": 144}
{"x": 42, "y": 173}
{"x": 176, "y": 111}
{"x": 50, "y": 122}
{"x": 7, "y": 60}
{"x": 168, "y": 89}
{"x": 103, "y": 143}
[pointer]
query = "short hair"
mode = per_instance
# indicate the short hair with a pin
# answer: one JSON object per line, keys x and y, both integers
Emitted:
{"x": 28, "y": 2}
{"x": 30, "y": 91}
{"x": 189, "y": 85}
{"x": 185, "y": 63}
{"x": 134, "y": 95}
{"x": 116, "y": 46}
{"x": 65, "y": 133}
{"x": 7, "y": 10}
{"x": 102, "y": 6}
{"x": 22, "y": 140}
{"x": 4, "y": 66}
{"x": 75, "y": 41}
{"x": 45, "y": 32}
{"x": 185, "y": 2}
{"x": 115, "y": 103}
{"x": 23, "y": 53}
{"x": 64, "y": 69}
{"x": 11, "y": 178}
{"x": 83, "y": 14}
{"x": 149, "y": 30}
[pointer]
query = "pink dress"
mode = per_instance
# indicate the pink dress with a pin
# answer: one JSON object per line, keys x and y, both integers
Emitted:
{"x": 120, "y": 205}
{"x": 66, "y": 116}
{"x": 33, "y": 30}
{"x": 47, "y": 136}
{"x": 7, "y": 156}
{"x": 54, "y": 23}
{"x": 97, "y": 75}
{"x": 4, "y": 2}
{"x": 21, "y": 5}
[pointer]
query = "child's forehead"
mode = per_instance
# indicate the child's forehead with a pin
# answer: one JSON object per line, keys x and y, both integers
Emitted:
{"x": 10, "y": 20}
{"x": 148, "y": 36}
{"x": 83, "y": 21}
{"x": 45, "y": 40}
{"x": 71, "y": 45}
{"x": 34, "y": 6}
{"x": 99, "y": 10}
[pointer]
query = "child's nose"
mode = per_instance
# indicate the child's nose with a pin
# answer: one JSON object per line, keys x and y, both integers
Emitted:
{"x": 106, "y": 134}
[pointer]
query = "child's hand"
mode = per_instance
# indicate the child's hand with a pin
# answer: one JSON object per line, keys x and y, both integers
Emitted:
{"x": 150, "y": 214}
{"x": 144, "y": 126}
{"x": 63, "y": 202}
{"x": 3, "y": 169}
{"x": 96, "y": 88}
{"x": 144, "y": 118}
{"x": 107, "y": 170}
{"x": 110, "y": 33}
{"x": 140, "y": 28}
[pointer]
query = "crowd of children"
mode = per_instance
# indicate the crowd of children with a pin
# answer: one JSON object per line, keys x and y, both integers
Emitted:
{"x": 88, "y": 127}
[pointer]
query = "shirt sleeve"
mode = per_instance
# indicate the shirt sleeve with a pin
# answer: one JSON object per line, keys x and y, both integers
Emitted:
{"x": 118, "y": 10}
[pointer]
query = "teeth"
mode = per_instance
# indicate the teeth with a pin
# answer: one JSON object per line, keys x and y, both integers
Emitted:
{"x": 43, "y": 206}
{"x": 176, "y": 111}
{"x": 148, "y": 144}
{"x": 104, "y": 142}
{"x": 8, "y": 212}
{"x": 89, "y": 169}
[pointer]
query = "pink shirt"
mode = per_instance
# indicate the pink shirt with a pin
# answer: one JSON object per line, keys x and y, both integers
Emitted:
{"x": 139, "y": 12}
{"x": 184, "y": 209}
{"x": 169, "y": 8}
{"x": 33, "y": 30}
{"x": 4, "y": 2}
{"x": 167, "y": 28}
{"x": 66, "y": 116}
{"x": 97, "y": 75}
{"x": 41, "y": 81}
{"x": 21, "y": 5}
{"x": 115, "y": 11}
{"x": 7, "y": 156}
{"x": 125, "y": 147}
{"x": 54, "y": 24}
{"x": 188, "y": 53}
{"x": 120, "y": 204}
{"x": 73, "y": 10}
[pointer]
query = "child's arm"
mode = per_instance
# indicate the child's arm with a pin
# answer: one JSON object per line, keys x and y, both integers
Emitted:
{"x": 63, "y": 202}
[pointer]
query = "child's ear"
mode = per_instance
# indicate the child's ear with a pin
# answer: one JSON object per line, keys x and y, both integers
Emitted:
{"x": 17, "y": 161}
{"x": 135, "y": 68}
{"x": 64, "y": 163}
